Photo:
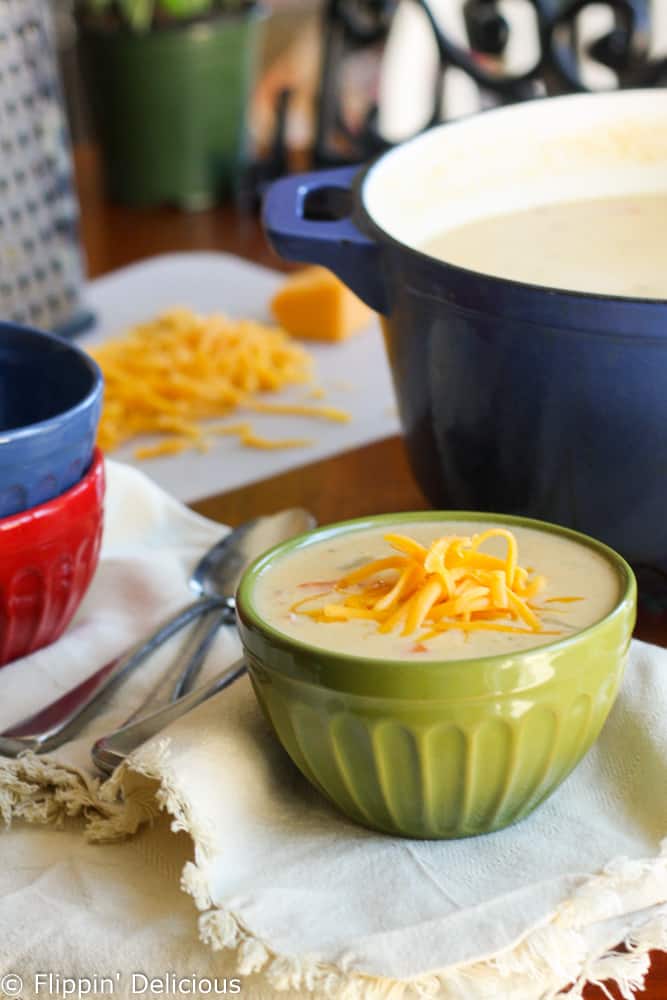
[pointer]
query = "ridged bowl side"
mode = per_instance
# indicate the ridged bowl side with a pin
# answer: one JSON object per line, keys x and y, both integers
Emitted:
{"x": 47, "y": 560}
{"x": 50, "y": 471}
{"x": 437, "y": 770}
{"x": 437, "y": 748}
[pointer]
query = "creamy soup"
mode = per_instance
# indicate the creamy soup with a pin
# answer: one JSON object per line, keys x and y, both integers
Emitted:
{"x": 571, "y": 570}
{"x": 613, "y": 246}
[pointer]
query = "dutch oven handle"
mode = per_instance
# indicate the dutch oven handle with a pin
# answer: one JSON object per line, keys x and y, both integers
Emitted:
{"x": 308, "y": 217}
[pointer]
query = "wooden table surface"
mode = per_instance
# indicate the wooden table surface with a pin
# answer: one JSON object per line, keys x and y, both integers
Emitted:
{"x": 368, "y": 480}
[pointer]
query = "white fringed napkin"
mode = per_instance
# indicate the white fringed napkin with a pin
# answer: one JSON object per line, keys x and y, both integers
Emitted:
{"x": 292, "y": 896}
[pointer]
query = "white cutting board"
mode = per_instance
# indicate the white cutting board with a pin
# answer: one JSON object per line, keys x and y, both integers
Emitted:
{"x": 354, "y": 374}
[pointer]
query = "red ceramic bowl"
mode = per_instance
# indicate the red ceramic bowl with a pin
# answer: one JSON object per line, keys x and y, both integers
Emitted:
{"x": 48, "y": 555}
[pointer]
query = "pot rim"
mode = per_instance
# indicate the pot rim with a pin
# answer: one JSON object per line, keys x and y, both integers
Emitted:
{"x": 250, "y": 617}
{"x": 531, "y": 292}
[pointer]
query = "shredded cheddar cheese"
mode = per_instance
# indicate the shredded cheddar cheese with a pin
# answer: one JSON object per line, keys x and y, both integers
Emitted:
{"x": 247, "y": 436}
{"x": 168, "y": 374}
{"x": 452, "y": 584}
{"x": 301, "y": 410}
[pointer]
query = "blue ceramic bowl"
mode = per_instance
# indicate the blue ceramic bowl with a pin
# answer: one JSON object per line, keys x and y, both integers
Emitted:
{"x": 513, "y": 397}
{"x": 50, "y": 400}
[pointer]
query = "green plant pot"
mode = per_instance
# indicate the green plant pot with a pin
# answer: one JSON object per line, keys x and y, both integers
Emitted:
{"x": 437, "y": 749}
{"x": 170, "y": 107}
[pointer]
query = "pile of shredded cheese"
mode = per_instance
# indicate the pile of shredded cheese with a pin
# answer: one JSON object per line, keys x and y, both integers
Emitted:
{"x": 450, "y": 585}
{"x": 166, "y": 375}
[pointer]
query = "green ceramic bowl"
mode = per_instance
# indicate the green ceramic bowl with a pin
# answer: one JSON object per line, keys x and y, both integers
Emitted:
{"x": 449, "y": 748}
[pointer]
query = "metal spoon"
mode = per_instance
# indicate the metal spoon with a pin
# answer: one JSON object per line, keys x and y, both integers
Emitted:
{"x": 218, "y": 574}
{"x": 215, "y": 579}
{"x": 110, "y": 751}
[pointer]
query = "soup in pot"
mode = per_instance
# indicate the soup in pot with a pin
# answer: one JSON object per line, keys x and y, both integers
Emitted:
{"x": 563, "y": 586}
{"x": 612, "y": 246}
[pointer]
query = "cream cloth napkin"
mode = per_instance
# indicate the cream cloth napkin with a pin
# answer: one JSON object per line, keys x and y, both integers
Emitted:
{"x": 208, "y": 855}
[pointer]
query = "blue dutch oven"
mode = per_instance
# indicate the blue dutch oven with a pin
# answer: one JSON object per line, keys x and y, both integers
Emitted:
{"x": 513, "y": 397}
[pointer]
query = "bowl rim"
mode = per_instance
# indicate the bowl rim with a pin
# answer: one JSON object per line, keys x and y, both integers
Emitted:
{"x": 51, "y": 508}
{"x": 14, "y": 435}
{"x": 249, "y": 616}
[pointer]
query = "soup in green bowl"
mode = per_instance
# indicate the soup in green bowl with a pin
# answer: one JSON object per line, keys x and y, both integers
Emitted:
{"x": 437, "y": 674}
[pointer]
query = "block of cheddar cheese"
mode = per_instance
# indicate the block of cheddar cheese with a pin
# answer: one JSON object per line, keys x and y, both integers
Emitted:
{"x": 313, "y": 303}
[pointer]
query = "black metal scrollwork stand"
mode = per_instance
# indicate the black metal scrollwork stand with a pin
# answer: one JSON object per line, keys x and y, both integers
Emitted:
{"x": 353, "y": 24}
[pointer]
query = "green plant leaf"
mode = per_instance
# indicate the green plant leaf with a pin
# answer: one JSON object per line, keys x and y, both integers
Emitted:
{"x": 139, "y": 13}
{"x": 186, "y": 8}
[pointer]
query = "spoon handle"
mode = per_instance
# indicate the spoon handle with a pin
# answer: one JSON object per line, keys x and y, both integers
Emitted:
{"x": 204, "y": 637}
{"x": 111, "y": 750}
{"x": 183, "y": 670}
{"x": 58, "y": 721}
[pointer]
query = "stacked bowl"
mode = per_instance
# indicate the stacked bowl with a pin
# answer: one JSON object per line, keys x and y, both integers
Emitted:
{"x": 51, "y": 486}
